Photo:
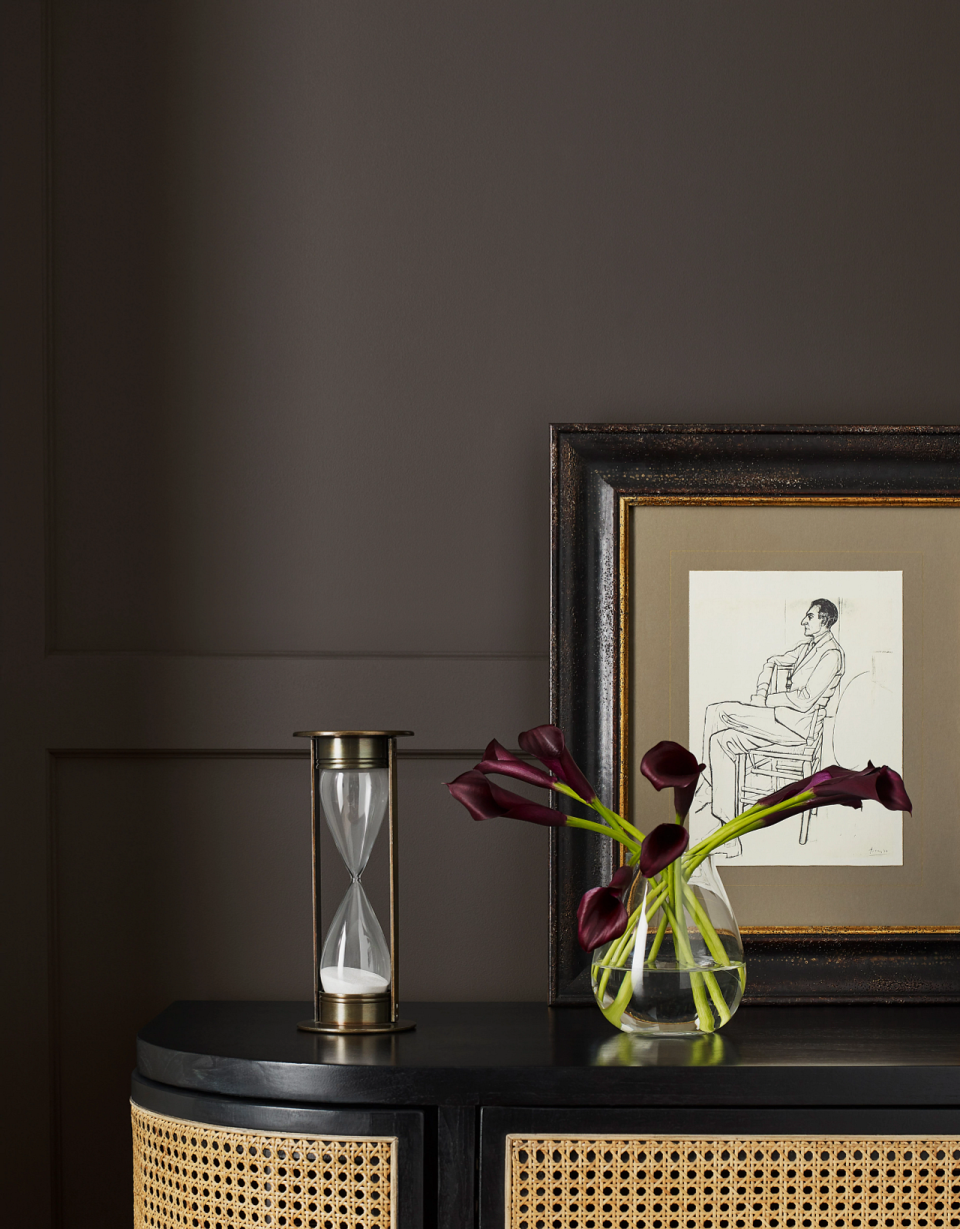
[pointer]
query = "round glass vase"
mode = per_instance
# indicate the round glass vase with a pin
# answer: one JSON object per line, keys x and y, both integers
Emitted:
{"x": 677, "y": 970}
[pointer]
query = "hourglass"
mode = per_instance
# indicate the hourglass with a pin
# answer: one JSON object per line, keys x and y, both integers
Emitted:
{"x": 353, "y": 789}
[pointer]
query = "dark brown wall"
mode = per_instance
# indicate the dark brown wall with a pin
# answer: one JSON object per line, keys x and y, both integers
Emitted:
{"x": 296, "y": 289}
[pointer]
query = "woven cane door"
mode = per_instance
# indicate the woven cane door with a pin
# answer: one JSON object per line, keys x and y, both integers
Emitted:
{"x": 759, "y": 1182}
{"x": 188, "y": 1174}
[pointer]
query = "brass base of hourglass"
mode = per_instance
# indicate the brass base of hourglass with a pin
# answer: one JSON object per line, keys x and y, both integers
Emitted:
{"x": 355, "y": 1013}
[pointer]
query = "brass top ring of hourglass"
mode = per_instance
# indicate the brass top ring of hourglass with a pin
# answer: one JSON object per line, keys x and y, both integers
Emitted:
{"x": 352, "y": 749}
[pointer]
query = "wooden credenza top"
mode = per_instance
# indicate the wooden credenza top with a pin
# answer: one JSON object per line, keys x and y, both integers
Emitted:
{"x": 528, "y": 1054}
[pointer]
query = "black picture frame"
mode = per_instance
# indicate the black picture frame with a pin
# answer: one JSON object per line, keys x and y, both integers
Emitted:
{"x": 595, "y": 468}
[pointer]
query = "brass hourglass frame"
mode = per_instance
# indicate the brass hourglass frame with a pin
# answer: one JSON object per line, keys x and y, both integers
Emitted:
{"x": 359, "y": 750}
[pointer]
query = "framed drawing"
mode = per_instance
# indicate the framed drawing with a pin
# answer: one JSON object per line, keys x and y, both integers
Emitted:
{"x": 695, "y": 570}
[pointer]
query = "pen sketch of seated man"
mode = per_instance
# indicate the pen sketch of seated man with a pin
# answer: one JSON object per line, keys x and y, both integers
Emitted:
{"x": 790, "y": 697}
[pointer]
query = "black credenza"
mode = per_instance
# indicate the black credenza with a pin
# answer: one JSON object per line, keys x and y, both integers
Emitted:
{"x": 514, "y": 1115}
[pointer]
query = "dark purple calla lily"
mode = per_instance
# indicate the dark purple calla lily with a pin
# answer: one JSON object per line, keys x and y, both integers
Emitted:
{"x": 834, "y": 772}
{"x": 601, "y": 915}
{"x": 891, "y": 791}
{"x": 669, "y": 764}
{"x": 485, "y": 800}
{"x": 881, "y": 785}
{"x": 546, "y": 742}
{"x": 847, "y": 787}
{"x": 826, "y": 785}
{"x": 661, "y": 846}
{"x": 498, "y": 759}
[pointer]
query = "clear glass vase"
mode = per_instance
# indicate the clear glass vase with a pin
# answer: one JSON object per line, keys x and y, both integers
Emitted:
{"x": 677, "y": 970}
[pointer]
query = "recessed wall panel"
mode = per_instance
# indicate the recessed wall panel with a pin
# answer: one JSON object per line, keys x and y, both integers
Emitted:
{"x": 180, "y": 878}
{"x": 174, "y": 879}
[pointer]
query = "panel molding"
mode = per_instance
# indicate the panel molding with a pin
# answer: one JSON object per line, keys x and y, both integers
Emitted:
{"x": 308, "y": 654}
{"x": 255, "y": 753}
{"x": 48, "y": 368}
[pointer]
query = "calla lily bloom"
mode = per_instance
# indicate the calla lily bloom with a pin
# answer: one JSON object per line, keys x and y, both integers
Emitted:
{"x": 847, "y": 787}
{"x": 669, "y": 764}
{"x": 601, "y": 914}
{"x": 891, "y": 791}
{"x": 546, "y": 742}
{"x": 826, "y": 785}
{"x": 498, "y": 759}
{"x": 661, "y": 846}
{"x": 881, "y": 785}
{"x": 487, "y": 801}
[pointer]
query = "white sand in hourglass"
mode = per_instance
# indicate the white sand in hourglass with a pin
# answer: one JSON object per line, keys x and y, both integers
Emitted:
{"x": 352, "y": 981}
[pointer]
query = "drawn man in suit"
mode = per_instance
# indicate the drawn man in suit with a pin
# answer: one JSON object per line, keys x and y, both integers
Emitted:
{"x": 774, "y": 717}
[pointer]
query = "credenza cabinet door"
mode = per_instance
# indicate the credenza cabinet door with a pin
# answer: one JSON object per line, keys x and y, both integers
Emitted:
{"x": 720, "y": 1169}
{"x": 231, "y": 1163}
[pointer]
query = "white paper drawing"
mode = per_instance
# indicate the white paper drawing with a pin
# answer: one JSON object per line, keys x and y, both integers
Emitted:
{"x": 790, "y": 672}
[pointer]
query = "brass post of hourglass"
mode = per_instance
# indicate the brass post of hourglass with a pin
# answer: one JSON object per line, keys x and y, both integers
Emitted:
{"x": 354, "y": 1013}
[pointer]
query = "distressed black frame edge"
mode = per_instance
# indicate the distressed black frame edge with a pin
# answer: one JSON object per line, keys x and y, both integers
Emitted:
{"x": 592, "y": 465}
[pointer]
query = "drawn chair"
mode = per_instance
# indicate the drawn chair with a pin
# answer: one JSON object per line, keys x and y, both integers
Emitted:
{"x": 767, "y": 769}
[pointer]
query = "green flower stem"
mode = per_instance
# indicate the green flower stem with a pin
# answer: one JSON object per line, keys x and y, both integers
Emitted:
{"x": 713, "y": 941}
{"x": 702, "y": 1002}
{"x": 685, "y": 950}
{"x": 653, "y": 904}
{"x": 573, "y": 821}
{"x": 616, "y": 957}
{"x": 614, "y": 1012}
{"x": 618, "y": 953}
{"x": 605, "y": 975}
{"x": 657, "y": 939}
{"x": 617, "y": 820}
{"x": 620, "y": 948}
{"x": 561, "y": 788}
{"x": 714, "y": 946}
{"x": 719, "y": 1002}
{"x": 699, "y": 982}
{"x": 619, "y": 960}
{"x": 627, "y": 834}
{"x": 628, "y": 948}
{"x": 624, "y": 945}
{"x": 748, "y": 821}
{"x": 729, "y": 832}
{"x": 681, "y": 941}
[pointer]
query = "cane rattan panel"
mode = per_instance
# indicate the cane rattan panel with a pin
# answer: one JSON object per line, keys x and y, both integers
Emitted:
{"x": 187, "y": 1175}
{"x": 761, "y": 1182}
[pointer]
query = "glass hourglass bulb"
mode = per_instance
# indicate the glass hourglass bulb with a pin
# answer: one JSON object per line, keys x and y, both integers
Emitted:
{"x": 355, "y": 957}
